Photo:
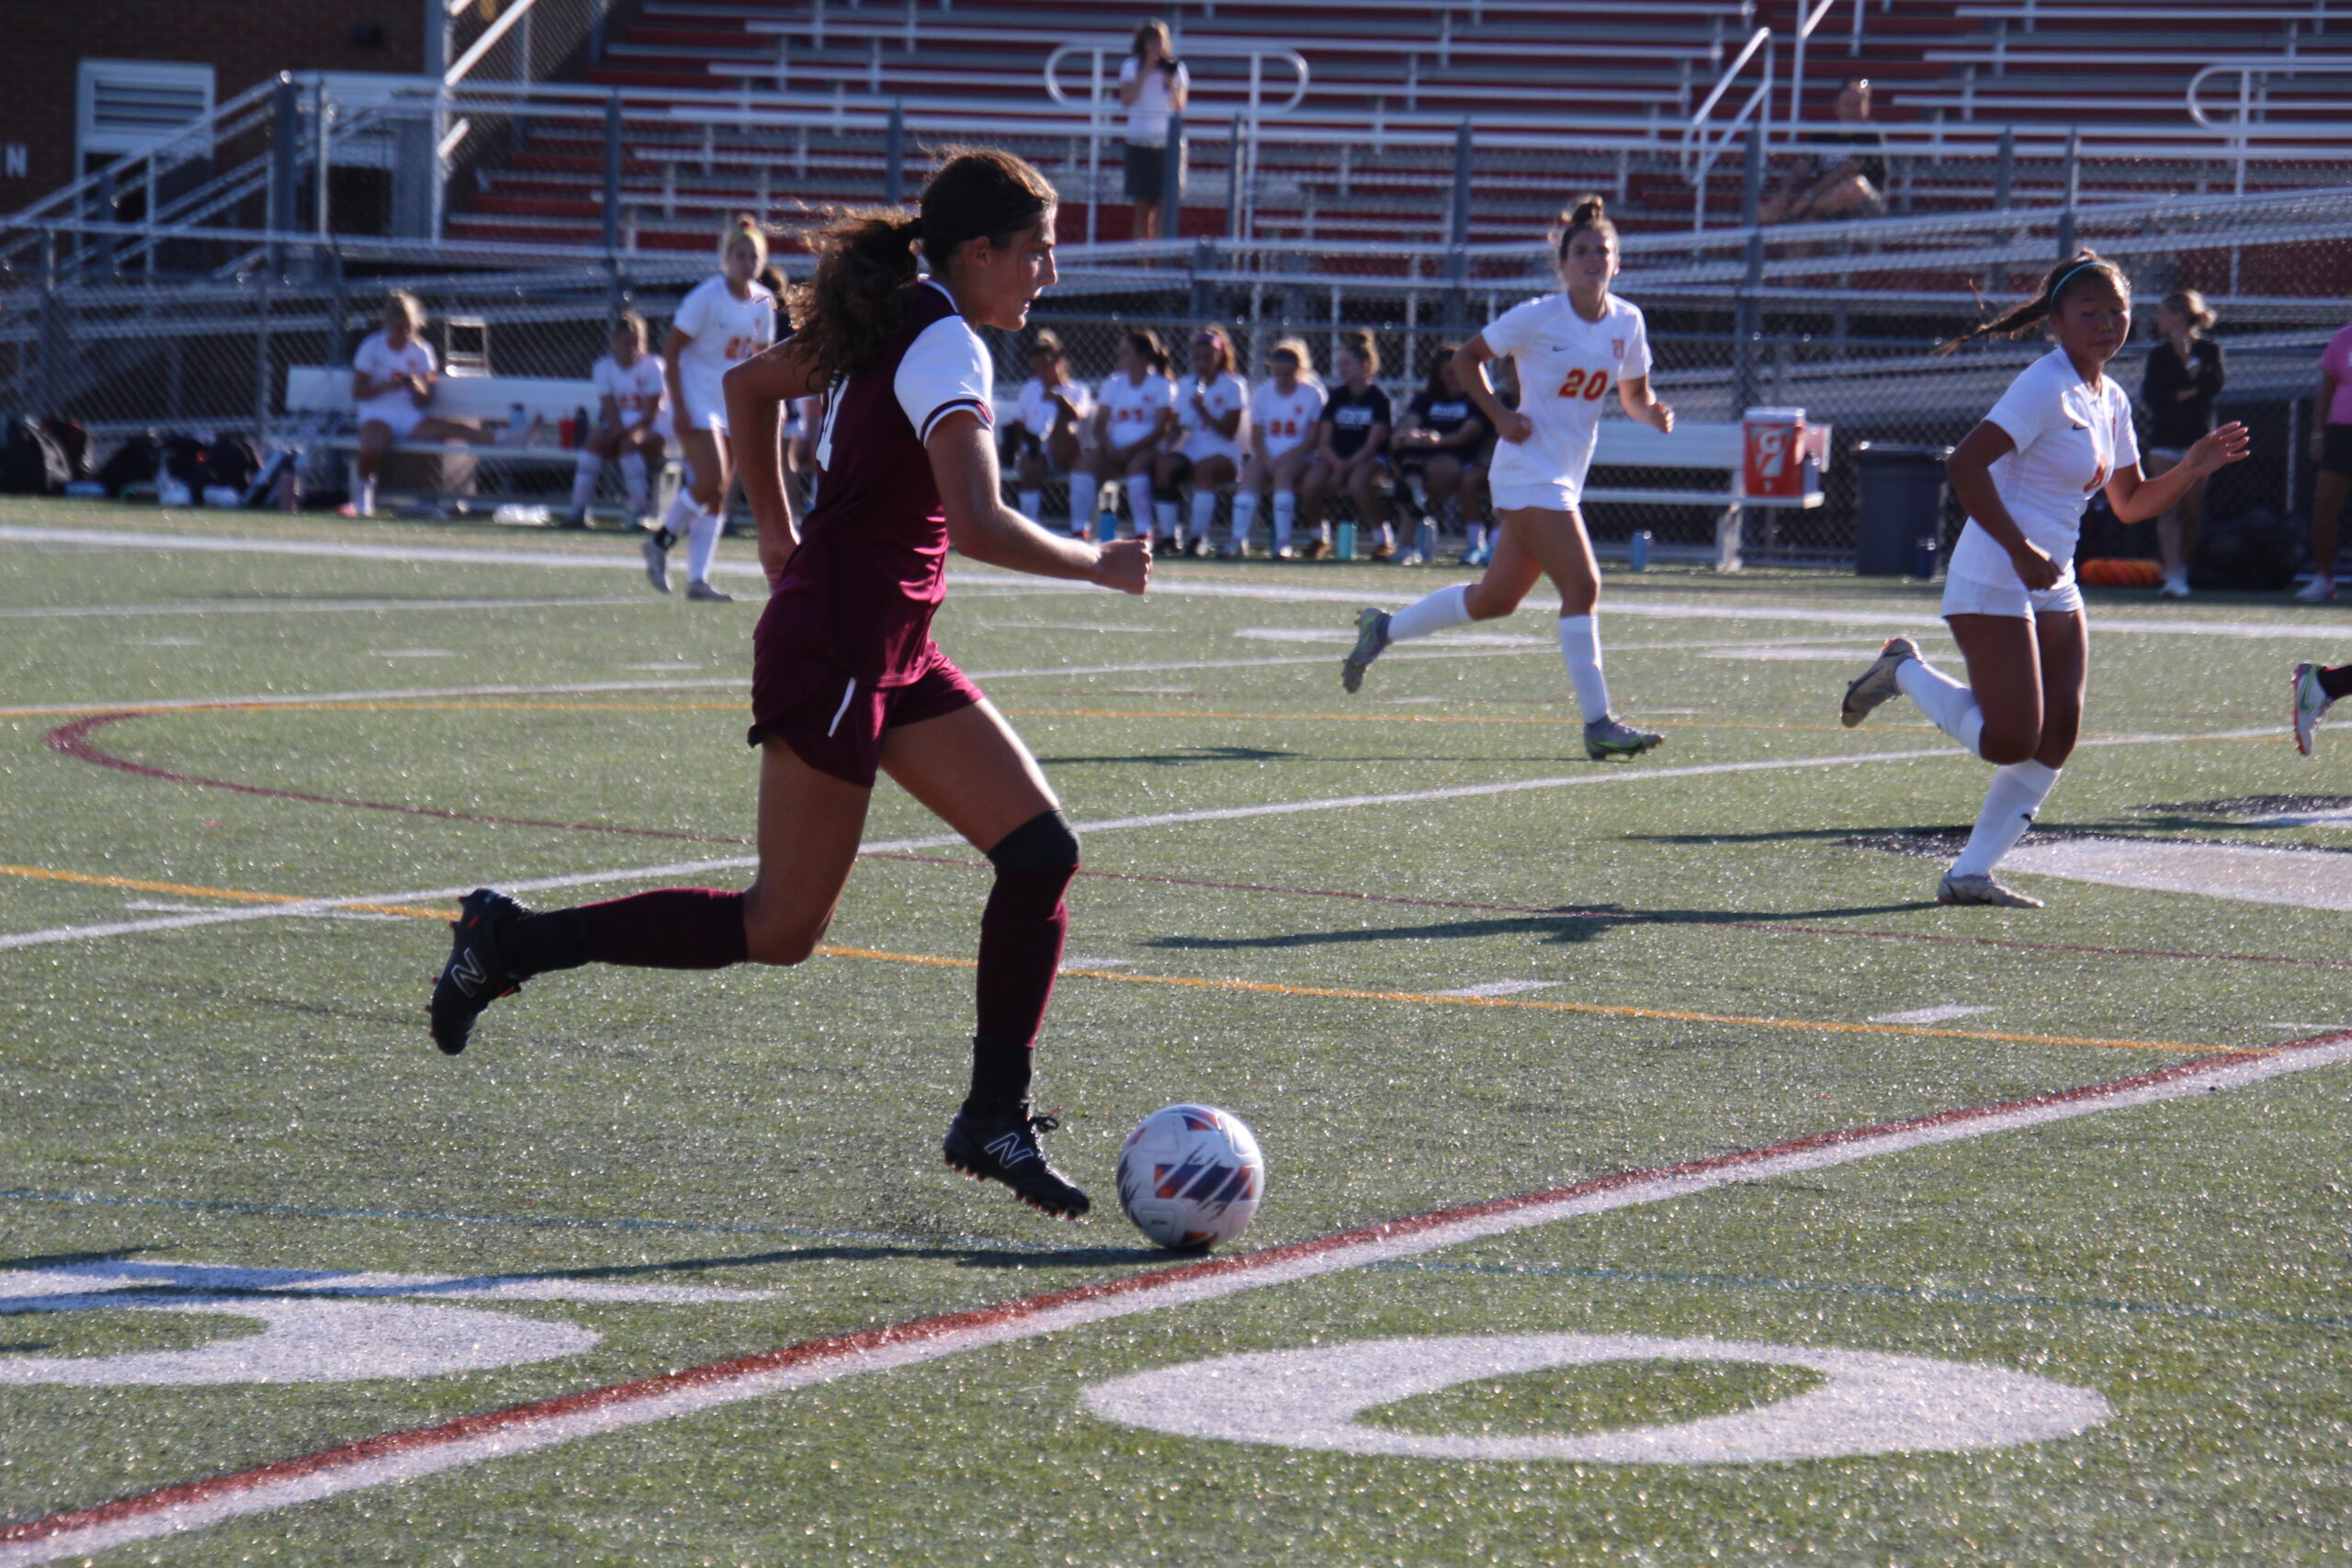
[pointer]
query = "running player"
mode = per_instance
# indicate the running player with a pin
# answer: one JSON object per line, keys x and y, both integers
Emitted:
{"x": 1048, "y": 419}
{"x": 1436, "y": 445}
{"x": 1210, "y": 407}
{"x": 2061, "y": 433}
{"x": 392, "y": 376}
{"x": 1283, "y": 412}
{"x": 1134, "y": 410}
{"x": 1572, "y": 348}
{"x": 628, "y": 410}
{"x": 1351, "y": 441}
{"x": 847, "y": 680}
{"x": 723, "y": 322}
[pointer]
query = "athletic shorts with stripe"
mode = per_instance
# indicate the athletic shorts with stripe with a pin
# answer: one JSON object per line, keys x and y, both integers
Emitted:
{"x": 834, "y": 721}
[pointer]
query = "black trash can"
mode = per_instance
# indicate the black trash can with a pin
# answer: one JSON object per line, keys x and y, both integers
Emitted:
{"x": 1898, "y": 503}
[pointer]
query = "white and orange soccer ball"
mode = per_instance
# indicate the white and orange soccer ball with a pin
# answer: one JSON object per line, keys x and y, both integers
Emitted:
{"x": 1190, "y": 1175}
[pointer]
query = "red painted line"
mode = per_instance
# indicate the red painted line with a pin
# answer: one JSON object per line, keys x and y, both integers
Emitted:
{"x": 840, "y": 1345}
{"x": 73, "y": 740}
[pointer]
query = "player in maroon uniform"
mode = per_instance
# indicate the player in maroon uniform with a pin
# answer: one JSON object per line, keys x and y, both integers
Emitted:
{"x": 847, "y": 680}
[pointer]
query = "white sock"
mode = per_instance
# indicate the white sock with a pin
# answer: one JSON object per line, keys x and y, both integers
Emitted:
{"x": 1950, "y": 705}
{"x": 2015, "y": 793}
{"x": 1081, "y": 502}
{"x": 634, "y": 479}
{"x": 1580, "y": 647}
{"x": 1203, "y": 512}
{"x": 1432, "y": 613}
{"x": 367, "y": 498}
{"x": 702, "y": 543}
{"x": 1285, "y": 514}
{"x": 1245, "y": 515}
{"x": 1140, "y": 503}
{"x": 585, "y": 475}
{"x": 1032, "y": 504}
{"x": 682, "y": 511}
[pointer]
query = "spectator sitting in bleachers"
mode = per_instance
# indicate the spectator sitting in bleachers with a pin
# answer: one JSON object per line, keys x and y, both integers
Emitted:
{"x": 1826, "y": 188}
{"x": 392, "y": 376}
{"x": 1048, "y": 420}
{"x": 1436, "y": 449}
{"x": 1351, "y": 446}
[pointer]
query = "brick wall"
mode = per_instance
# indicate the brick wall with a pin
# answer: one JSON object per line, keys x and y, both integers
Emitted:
{"x": 244, "y": 41}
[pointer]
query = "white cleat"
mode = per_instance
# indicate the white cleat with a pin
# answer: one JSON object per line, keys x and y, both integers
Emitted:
{"x": 1876, "y": 684}
{"x": 2318, "y": 590}
{"x": 657, "y": 559}
{"x": 1975, "y": 889}
{"x": 700, "y": 588}
{"x": 2311, "y": 703}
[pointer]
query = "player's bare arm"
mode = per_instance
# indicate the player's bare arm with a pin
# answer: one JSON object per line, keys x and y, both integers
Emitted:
{"x": 979, "y": 526}
{"x": 1639, "y": 402}
{"x": 1470, "y": 363}
{"x": 1969, "y": 468}
{"x": 2136, "y": 499}
{"x": 757, "y": 390}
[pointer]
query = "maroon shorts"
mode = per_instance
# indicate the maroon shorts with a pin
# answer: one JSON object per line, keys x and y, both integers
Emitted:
{"x": 834, "y": 721}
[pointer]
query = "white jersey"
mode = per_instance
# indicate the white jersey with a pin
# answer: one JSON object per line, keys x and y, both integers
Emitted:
{"x": 2071, "y": 438}
{"x": 1036, "y": 410}
{"x": 635, "y": 391}
{"x": 1567, "y": 369}
{"x": 1284, "y": 420}
{"x": 376, "y": 360}
{"x": 1132, "y": 411}
{"x": 1223, "y": 394}
{"x": 725, "y": 332}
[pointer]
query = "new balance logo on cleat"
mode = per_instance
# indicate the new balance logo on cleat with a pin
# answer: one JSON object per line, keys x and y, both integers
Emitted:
{"x": 466, "y": 970}
{"x": 475, "y": 974}
{"x": 1003, "y": 1147}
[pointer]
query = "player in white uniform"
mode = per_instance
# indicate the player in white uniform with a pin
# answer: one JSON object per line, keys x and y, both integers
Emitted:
{"x": 1133, "y": 412}
{"x": 1571, "y": 349}
{"x": 629, "y": 396}
{"x": 1212, "y": 405}
{"x": 723, "y": 322}
{"x": 392, "y": 376}
{"x": 1049, "y": 423}
{"x": 1282, "y": 412}
{"x": 2060, "y": 434}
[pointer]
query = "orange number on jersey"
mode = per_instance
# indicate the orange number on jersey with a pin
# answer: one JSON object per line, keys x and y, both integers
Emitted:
{"x": 1585, "y": 384}
{"x": 1597, "y": 384}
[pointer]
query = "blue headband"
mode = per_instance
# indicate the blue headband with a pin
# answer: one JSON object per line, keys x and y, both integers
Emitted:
{"x": 2068, "y": 273}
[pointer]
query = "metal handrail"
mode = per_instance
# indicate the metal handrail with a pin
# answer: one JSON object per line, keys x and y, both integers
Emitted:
{"x": 1699, "y": 151}
{"x": 212, "y": 126}
{"x": 2245, "y": 71}
{"x": 498, "y": 30}
{"x": 1805, "y": 24}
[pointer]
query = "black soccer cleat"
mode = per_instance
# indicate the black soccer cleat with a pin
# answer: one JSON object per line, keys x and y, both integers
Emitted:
{"x": 476, "y": 976}
{"x": 1005, "y": 1149}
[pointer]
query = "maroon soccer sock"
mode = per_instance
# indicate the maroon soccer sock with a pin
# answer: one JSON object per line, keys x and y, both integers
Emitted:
{"x": 2337, "y": 683}
{"x": 670, "y": 928}
{"x": 1022, "y": 931}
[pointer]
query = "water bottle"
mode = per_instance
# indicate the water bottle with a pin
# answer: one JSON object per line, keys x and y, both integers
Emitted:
{"x": 1637, "y": 550}
{"x": 1923, "y": 557}
{"x": 1347, "y": 550}
{"x": 1425, "y": 541}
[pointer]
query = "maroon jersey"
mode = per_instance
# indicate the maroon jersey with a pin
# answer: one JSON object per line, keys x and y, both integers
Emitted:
{"x": 860, "y": 591}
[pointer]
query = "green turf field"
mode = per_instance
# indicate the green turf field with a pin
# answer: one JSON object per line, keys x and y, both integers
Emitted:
{"x": 660, "y": 1171}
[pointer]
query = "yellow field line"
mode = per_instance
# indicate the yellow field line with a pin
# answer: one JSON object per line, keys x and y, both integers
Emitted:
{"x": 1263, "y": 987}
{"x": 185, "y": 890}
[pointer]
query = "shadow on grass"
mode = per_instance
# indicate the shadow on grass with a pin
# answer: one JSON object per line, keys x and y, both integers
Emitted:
{"x": 1570, "y": 924}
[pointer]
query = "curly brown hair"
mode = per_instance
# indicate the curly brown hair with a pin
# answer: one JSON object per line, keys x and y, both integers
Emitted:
{"x": 851, "y": 309}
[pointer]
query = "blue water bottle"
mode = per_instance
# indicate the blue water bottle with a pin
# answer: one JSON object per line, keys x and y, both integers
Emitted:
{"x": 1347, "y": 550}
{"x": 1637, "y": 550}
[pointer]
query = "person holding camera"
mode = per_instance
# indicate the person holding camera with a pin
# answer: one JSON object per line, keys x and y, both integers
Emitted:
{"x": 1153, "y": 83}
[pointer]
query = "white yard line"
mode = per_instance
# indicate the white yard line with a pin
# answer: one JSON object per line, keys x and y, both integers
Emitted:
{"x": 421, "y": 1451}
{"x": 315, "y": 606}
{"x": 1922, "y": 613}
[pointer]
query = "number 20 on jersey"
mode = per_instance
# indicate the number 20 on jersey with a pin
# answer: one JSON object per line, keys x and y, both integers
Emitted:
{"x": 1585, "y": 384}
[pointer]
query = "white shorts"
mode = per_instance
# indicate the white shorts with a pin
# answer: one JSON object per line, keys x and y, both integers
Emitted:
{"x": 1966, "y": 596}
{"x": 1269, "y": 455}
{"x": 399, "y": 413}
{"x": 1199, "y": 448}
{"x": 704, "y": 416}
{"x": 1544, "y": 497}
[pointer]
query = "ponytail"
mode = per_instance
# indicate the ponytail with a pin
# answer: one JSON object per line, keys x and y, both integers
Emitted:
{"x": 850, "y": 308}
{"x": 2082, "y": 267}
{"x": 1588, "y": 213}
{"x": 2190, "y": 307}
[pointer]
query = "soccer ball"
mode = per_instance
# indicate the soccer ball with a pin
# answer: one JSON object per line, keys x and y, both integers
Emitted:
{"x": 1190, "y": 1175}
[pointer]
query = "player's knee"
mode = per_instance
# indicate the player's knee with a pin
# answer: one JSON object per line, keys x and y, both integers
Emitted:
{"x": 2003, "y": 744}
{"x": 1486, "y": 603}
{"x": 777, "y": 934}
{"x": 1045, "y": 842}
